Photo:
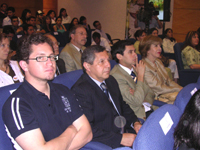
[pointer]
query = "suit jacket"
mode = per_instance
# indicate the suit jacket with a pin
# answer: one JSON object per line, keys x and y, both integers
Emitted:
{"x": 158, "y": 79}
{"x": 142, "y": 92}
{"x": 71, "y": 57}
{"x": 100, "y": 112}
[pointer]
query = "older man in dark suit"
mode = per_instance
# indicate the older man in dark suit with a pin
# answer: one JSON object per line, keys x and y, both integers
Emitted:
{"x": 111, "y": 119}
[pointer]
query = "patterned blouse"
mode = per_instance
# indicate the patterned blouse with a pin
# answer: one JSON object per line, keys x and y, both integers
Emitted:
{"x": 190, "y": 56}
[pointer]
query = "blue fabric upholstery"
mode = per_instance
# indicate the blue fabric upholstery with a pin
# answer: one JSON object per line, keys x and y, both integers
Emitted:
{"x": 151, "y": 135}
{"x": 69, "y": 78}
{"x": 60, "y": 38}
{"x": 112, "y": 63}
{"x": 186, "y": 76}
{"x": 185, "y": 94}
{"x": 5, "y": 143}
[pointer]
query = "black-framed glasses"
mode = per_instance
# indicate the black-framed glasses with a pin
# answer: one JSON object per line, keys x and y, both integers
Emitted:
{"x": 45, "y": 58}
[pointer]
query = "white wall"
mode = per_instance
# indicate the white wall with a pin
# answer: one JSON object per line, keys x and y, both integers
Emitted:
{"x": 111, "y": 14}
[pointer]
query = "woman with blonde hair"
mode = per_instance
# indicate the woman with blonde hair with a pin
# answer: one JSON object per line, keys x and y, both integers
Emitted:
{"x": 155, "y": 74}
{"x": 9, "y": 70}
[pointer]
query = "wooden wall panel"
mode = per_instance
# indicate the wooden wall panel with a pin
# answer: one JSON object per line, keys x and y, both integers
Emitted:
{"x": 50, "y": 5}
{"x": 192, "y": 4}
{"x": 185, "y": 17}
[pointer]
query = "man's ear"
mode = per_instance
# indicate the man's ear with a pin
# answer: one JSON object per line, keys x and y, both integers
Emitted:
{"x": 119, "y": 56}
{"x": 23, "y": 64}
{"x": 86, "y": 66}
{"x": 72, "y": 36}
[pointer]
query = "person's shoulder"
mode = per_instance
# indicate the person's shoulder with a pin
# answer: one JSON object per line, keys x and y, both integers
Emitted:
{"x": 187, "y": 49}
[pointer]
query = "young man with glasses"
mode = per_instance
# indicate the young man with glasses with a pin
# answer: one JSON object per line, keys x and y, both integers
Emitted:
{"x": 41, "y": 114}
{"x": 71, "y": 53}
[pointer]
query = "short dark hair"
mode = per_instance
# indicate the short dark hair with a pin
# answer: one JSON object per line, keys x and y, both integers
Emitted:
{"x": 73, "y": 29}
{"x": 4, "y": 4}
{"x": 138, "y": 33}
{"x": 8, "y": 29}
{"x": 11, "y": 9}
{"x": 89, "y": 54}
{"x": 29, "y": 41}
{"x": 119, "y": 48}
{"x": 151, "y": 30}
{"x": 146, "y": 43}
{"x": 13, "y": 17}
{"x": 58, "y": 17}
{"x": 96, "y": 35}
{"x": 188, "y": 129}
{"x": 94, "y": 23}
{"x": 26, "y": 26}
{"x": 82, "y": 18}
{"x": 29, "y": 18}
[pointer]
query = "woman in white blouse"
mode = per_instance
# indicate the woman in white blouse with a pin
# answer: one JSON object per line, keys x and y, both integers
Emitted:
{"x": 168, "y": 41}
{"x": 10, "y": 71}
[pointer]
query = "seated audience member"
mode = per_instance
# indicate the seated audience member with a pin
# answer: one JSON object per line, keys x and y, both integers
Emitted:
{"x": 186, "y": 134}
{"x": 3, "y": 14}
{"x": 65, "y": 17}
{"x": 60, "y": 64}
{"x": 15, "y": 24}
{"x": 139, "y": 35}
{"x": 98, "y": 40}
{"x": 71, "y": 53}
{"x": 28, "y": 29}
{"x": 37, "y": 28}
{"x": 9, "y": 33}
{"x": 52, "y": 15}
{"x": 50, "y": 116}
{"x": 168, "y": 41}
{"x": 47, "y": 24}
{"x": 191, "y": 51}
{"x": 101, "y": 101}
{"x": 10, "y": 72}
{"x": 73, "y": 23}
{"x": 83, "y": 21}
{"x": 130, "y": 77}
{"x": 170, "y": 64}
{"x": 155, "y": 74}
{"x": 7, "y": 20}
{"x": 26, "y": 13}
{"x": 39, "y": 17}
{"x": 98, "y": 29}
{"x": 58, "y": 27}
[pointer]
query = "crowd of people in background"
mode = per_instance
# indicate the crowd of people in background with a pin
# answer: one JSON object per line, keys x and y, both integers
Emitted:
{"x": 154, "y": 76}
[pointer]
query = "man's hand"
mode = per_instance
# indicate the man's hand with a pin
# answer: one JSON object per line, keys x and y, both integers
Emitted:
{"x": 128, "y": 139}
{"x": 131, "y": 91}
{"x": 140, "y": 69}
{"x": 137, "y": 127}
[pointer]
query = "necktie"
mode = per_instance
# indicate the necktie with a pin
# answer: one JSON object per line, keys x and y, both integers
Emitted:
{"x": 105, "y": 89}
{"x": 81, "y": 51}
{"x": 133, "y": 75}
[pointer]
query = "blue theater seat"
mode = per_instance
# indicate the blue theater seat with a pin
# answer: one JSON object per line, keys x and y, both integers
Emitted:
{"x": 152, "y": 136}
{"x": 5, "y": 92}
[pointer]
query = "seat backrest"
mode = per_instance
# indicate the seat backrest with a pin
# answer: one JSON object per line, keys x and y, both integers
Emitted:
{"x": 198, "y": 81}
{"x": 112, "y": 63}
{"x": 177, "y": 52}
{"x": 157, "y": 131}
{"x": 185, "y": 94}
{"x": 5, "y": 92}
{"x": 69, "y": 78}
{"x": 59, "y": 37}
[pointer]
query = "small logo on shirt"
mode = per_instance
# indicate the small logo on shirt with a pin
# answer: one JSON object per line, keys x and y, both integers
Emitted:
{"x": 66, "y": 103}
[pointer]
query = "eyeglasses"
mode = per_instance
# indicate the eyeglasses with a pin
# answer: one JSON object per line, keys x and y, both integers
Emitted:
{"x": 45, "y": 58}
{"x": 81, "y": 33}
